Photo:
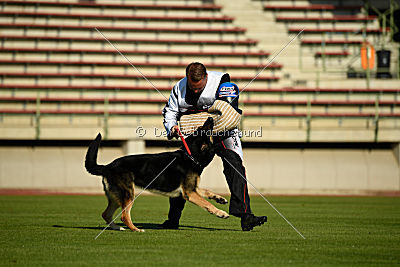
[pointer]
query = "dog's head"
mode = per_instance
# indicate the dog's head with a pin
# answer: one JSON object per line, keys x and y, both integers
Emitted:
{"x": 201, "y": 144}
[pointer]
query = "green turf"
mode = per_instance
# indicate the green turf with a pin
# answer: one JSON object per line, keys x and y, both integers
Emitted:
{"x": 48, "y": 230}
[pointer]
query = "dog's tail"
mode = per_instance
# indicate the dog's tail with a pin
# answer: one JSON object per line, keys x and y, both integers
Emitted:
{"x": 91, "y": 158}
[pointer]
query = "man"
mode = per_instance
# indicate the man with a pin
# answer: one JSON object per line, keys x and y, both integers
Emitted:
{"x": 197, "y": 92}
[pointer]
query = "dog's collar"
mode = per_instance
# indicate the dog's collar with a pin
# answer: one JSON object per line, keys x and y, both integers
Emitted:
{"x": 196, "y": 162}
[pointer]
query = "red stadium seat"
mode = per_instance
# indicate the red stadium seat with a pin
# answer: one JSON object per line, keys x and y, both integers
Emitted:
{"x": 120, "y": 76}
{"x": 249, "y": 89}
{"x": 81, "y": 87}
{"x": 130, "y": 51}
{"x": 321, "y": 102}
{"x": 114, "y": 17}
{"x": 124, "y": 29}
{"x": 77, "y": 111}
{"x": 126, "y": 63}
{"x": 248, "y": 114}
{"x": 311, "y": 7}
{"x": 322, "y": 115}
{"x": 161, "y": 101}
{"x": 331, "y": 42}
{"x": 82, "y": 99}
{"x": 337, "y": 30}
{"x": 332, "y": 54}
{"x": 114, "y": 5}
{"x": 248, "y": 42}
{"x": 346, "y": 18}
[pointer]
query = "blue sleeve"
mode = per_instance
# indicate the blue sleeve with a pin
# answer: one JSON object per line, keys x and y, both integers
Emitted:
{"x": 229, "y": 92}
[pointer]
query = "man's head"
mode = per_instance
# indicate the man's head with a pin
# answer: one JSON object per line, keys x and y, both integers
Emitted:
{"x": 196, "y": 74}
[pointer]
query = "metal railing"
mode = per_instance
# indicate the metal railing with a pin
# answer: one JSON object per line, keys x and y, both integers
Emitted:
{"x": 308, "y": 117}
{"x": 383, "y": 41}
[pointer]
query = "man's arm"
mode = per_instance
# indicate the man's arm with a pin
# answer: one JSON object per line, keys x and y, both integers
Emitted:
{"x": 225, "y": 79}
{"x": 171, "y": 111}
{"x": 231, "y": 95}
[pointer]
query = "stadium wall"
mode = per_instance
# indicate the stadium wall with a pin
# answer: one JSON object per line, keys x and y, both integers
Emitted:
{"x": 271, "y": 171}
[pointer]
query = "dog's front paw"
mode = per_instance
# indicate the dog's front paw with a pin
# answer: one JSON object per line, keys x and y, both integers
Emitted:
{"x": 222, "y": 214}
{"x": 221, "y": 200}
{"x": 117, "y": 228}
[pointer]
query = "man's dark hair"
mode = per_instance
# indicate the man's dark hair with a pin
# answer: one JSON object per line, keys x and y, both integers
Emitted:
{"x": 196, "y": 71}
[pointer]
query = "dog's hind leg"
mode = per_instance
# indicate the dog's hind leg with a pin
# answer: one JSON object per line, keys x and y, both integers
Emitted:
{"x": 126, "y": 213}
{"x": 108, "y": 214}
{"x": 211, "y": 195}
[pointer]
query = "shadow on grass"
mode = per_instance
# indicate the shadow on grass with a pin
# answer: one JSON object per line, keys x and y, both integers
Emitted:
{"x": 152, "y": 226}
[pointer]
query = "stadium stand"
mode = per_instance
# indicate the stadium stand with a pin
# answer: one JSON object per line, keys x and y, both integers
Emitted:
{"x": 199, "y": 45}
{"x": 54, "y": 62}
{"x": 323, "y": 20}
{"x": 61, "y": 82}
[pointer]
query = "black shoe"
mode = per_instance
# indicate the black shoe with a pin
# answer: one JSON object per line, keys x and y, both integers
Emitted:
{"x": 170, "y": 225}
{"x": 249, "y": 221}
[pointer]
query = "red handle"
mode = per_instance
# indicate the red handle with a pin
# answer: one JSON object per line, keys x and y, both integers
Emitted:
{"x": 184, "y": 142}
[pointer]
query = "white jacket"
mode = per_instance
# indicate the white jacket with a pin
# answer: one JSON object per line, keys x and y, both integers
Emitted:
{"x": 177, "y": 104}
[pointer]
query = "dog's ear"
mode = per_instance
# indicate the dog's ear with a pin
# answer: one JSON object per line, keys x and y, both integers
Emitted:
{"x": 208, "y": 124}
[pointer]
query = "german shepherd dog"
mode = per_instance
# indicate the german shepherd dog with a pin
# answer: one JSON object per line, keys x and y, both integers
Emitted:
{"x": 169, "y": 173}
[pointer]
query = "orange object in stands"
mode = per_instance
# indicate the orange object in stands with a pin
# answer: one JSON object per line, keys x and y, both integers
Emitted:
{"x": 367, "y": 56}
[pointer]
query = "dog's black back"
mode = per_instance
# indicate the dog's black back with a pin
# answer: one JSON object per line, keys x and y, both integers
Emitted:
{"x": 142, "y": 169}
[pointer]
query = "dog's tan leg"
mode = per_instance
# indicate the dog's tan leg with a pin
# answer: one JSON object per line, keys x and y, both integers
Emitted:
{"x": 108, "y": 215}
{"x": 211, "y": 195}
{"x": 126, "y": 216}
{"x": 195, "y": 198}
{"x": 126, "y": 212}
{"x": 189, "y": 189}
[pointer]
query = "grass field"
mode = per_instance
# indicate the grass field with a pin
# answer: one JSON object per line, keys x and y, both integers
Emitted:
{"x": 60, "y": 230}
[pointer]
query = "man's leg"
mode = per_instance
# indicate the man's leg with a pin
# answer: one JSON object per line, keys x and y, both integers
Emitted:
{"x": 233, "y": 171}
{"x": 235, "y": 175}
{"x": 176, "y": 205}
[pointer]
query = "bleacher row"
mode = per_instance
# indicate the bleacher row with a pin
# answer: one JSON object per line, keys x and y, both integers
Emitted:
{"x": 55, "y": 62}
{"x": 328, "y": 104}
{"x": 324, "y": 23}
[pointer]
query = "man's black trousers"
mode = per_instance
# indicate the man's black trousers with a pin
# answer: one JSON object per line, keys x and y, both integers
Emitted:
{"x": 234, "y": 174}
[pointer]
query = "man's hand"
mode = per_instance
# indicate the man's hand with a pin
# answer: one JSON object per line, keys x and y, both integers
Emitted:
{"x": 173, "y": 132}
